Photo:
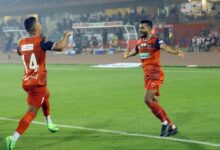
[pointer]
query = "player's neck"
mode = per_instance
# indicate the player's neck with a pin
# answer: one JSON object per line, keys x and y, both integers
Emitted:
{"x": 148, "y": 37}
{"x": 34, "y": 34}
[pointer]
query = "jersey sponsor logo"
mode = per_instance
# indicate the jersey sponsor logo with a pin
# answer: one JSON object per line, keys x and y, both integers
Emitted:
{"x": 149, "y": 46}
{"x": 30, "y": 77}
{"x": 144, "y": 55}
{"x": 27, "y": 47}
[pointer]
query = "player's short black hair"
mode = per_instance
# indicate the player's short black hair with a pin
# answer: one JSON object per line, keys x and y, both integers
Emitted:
{"x": 148, "y": 22}
{"x": 29, "y": 24}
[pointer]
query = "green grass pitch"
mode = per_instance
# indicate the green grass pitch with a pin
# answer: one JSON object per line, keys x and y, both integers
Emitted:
{"x": 112, "y": 99}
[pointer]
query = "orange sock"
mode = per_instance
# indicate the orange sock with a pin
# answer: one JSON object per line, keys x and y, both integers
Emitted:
{"x": 46, "y": 105}
{"x": 165, "y": 114}
{"x": 25, "y": 122}
{"x": 167, "y": 118}
{"x": 156, "y": 110}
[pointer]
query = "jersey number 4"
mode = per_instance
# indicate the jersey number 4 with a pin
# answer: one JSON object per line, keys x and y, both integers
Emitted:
{"x": 32, "y": 65}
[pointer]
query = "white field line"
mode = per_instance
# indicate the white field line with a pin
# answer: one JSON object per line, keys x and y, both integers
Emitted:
{"x": 115, "y": 69}
{"x": 124, "y": 133}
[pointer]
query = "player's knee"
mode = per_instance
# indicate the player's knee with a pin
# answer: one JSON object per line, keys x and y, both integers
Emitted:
{"x": 47, "y": 95}
{"x": 147, "y": 99}
{"x": 33, "y": 109}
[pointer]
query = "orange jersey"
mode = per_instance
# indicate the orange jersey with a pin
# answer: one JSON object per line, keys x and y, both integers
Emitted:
{"x": 33, "y": 55}
{"x": 149, "y": 51}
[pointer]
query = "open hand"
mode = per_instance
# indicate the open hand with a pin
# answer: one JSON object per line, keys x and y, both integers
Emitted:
{"x": 67, "y": 33}
{"x": 126, "y": 54}
{"x": 181, "y": 53}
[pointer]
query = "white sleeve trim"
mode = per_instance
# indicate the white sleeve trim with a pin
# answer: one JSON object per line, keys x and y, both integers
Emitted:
{"x": 53, "y": 46}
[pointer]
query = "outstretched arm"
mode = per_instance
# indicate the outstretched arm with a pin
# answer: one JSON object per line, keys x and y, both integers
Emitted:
{"x": 172, "y": 50}
{"x": 131, "y": 53}
{"x": 61, "y": 44}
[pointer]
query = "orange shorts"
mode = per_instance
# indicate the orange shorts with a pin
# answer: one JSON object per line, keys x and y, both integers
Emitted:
{"x": 151, "y": 84}
{"x": 35, "y": 94}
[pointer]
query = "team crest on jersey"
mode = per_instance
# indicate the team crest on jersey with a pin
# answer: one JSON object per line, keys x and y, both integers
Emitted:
{"x": 27, "y": 47}
{"x": 143, "y": 45}
{"x": 153, "y": 84}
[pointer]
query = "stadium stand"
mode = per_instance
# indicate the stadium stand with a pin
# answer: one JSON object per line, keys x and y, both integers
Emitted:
{"x": 130, "y": 12}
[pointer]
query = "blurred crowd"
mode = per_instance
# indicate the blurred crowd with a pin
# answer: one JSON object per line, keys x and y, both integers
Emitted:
{"x": 132, "y": 17}
{"x": 129, "y": 18}
{"x": 199, "y": 14}
{"x": 102, "y": 40}
{"x": 10, "y": 43}
{"x": 203, "y": 42}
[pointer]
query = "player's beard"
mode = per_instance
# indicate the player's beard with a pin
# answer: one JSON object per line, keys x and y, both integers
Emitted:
{"x": 143, "y": 34}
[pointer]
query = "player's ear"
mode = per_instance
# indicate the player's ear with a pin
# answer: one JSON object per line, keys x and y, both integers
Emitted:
{"x": 44, "y": 38}
{"x": 35, "y": 27}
